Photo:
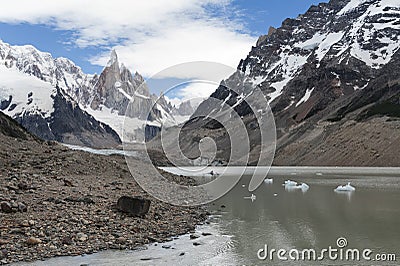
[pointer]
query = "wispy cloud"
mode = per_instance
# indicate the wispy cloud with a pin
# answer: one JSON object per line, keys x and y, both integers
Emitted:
{"x": 150, "y": 35}
{"x": 195, "y": 93}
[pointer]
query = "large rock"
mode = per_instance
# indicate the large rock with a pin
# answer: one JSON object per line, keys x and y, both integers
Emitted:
{"x": 6, "y": 207}
{"x": 136, "y": 206}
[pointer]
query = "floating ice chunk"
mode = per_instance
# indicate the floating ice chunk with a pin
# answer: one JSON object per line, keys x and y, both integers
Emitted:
{"x": 290, "y": 183}
{"x": 304, "y": 187}
{"x": 345, "y": 188}
{"x": 268, "y": 181}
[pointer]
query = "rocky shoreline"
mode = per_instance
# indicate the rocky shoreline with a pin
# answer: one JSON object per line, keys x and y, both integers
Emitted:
{"x": 60, "y": 202}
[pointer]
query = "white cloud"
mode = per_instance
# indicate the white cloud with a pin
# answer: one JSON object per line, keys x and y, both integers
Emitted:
{"x": 194, "y": 91}
{"x": 197, "y": 90}
{"x": 149, "y": 36}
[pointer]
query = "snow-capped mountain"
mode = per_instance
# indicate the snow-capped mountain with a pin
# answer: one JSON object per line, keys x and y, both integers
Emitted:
{"x": 118, "y": 97}
{"x": 46, "y": 110}
{"x": 60, "y": 71}
{"x": 331, "y": 61}
{"x": 29, "y": 79}
{"x": 354, "y": 38}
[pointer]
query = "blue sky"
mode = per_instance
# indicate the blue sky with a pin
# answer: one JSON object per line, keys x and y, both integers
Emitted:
{"x": 149, "y": 35}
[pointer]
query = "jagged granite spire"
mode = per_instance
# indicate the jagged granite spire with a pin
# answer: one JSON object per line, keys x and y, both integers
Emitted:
{"x": 113, "y": 58}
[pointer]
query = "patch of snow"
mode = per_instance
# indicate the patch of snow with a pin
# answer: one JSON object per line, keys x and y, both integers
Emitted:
{"x": 363, "y": 87}
{"x": 118, "y": 86}
{"x": 258, "y": 80}
{"x": 279, "y": 88}
{"x": 141, "y": 96}
{"x": 312, "y": 43}
{"x": 351, "y": 6}
{"x": 379, "y": 57}
{"x": 305, "y": 97}
{"x": 166, "y": 119}
{"x": 116, "y": 122}
{"x": 290, "y": 64}
{"x": 19, "y": 86}
{"x": 327, "y": 43}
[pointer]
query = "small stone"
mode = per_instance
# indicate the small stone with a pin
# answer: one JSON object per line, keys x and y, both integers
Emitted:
{"x": 206, "y": 234}
{"x": 196, "y": 244}
{"x": 166, "y": 246}
{"x": 67, "y": 240}
{"x": 193, "y": 236}
{"x": 120, "y": 240}
{"x": 22, "y": 207}
{"x": 68, "y": 183}
{"x": 33, "y": 241}
{"x": 3, "y": 242}
{"x": 14, "y": 205}
{"x": 182, "y": 254}
{"x": 2, "y": 255}
{"x": 23, "y": 186}
{"x": 81, "y": 237}
{"x": 25, "y": 224}
{"x": 16, "y": 231}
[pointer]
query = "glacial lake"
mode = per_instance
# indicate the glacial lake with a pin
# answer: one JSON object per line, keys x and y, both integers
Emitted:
{"x": 239, "y": 228}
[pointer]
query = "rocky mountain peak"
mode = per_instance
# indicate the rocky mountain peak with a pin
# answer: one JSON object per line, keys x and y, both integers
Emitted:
{"x": 184, "y": 109}
{"x": 113, "y": 58}
{"x": 32, "y": 99}
{"x": 330, "y": 58}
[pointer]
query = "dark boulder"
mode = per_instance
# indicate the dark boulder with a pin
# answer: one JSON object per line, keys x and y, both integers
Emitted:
{"x": 6, "y": 207}
{"x": 136, "y": 206}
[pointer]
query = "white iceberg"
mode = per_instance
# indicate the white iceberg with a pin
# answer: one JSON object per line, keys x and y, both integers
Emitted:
{"x": 345, "y": 188}
{"x": 268, "y": 181}
{"x": 304, "y": 187}
{"x": 290, "y": 183}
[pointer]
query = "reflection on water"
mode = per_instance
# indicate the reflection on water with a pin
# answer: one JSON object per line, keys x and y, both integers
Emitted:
{"x": 281, "y": 219}
{"x": 367, "y": 218}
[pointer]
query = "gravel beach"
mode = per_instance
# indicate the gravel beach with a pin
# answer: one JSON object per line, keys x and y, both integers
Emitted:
{"x": 60, "y": 202}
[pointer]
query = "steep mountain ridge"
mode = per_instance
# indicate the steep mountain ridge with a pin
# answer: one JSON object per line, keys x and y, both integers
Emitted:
{"x": 101, "y": 99}
{"x": 330, "y": 64}
{"x": 10, "y": 128}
